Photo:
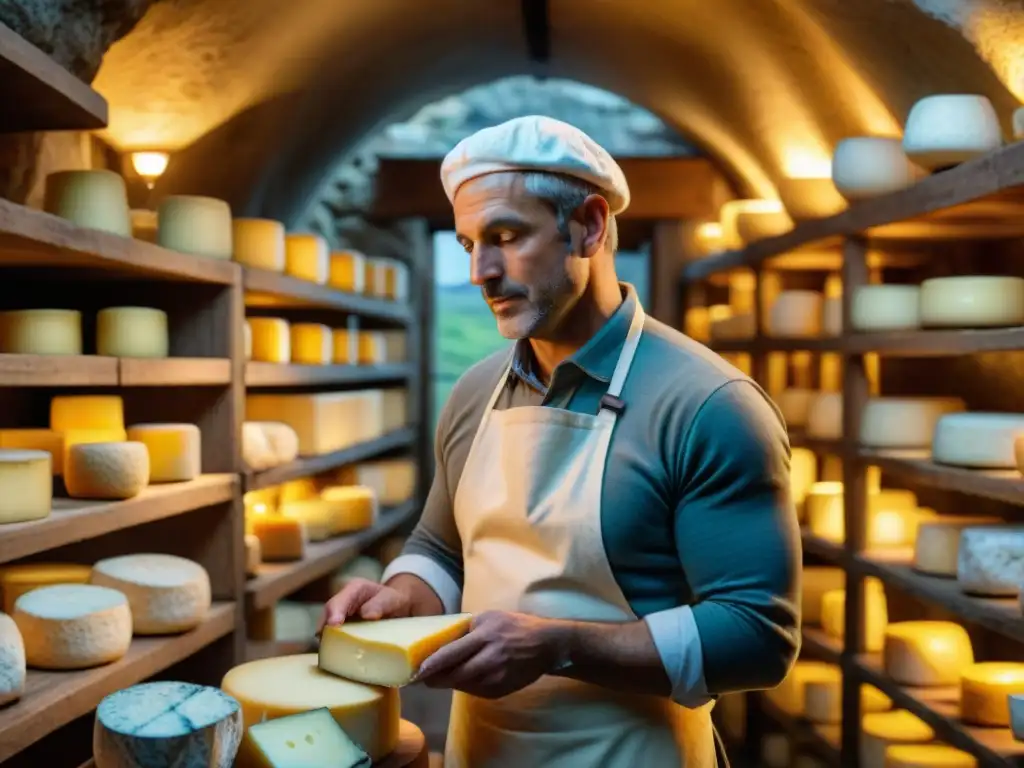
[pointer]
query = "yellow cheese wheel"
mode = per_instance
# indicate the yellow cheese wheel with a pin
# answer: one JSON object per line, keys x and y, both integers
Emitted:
{"x": 372, "y": 350}
{"x": 985, "y": 690}
{"x": 927, "y": 653}
{"x": 298, "y": 490}
{"x": 281, "y": 538}
{"x": 16, "y": 580}
{"x": 345, "y": 346}
{"x": 26, "y": 486}
{"x": 348, "y": 271}
{"x": 41, "y": 332}
{"x": 823, "y": 700}
{"x": 106, "y": 470}
{"x": 88, "y": 412}
{"x": 271, "y": 340}
{"x": 316, "y": 515}
{"x": 37, "y": 440}
{"x": 175, "y": 451}
{"x": 818, "y": 581}
{"x": 132, "y": 332}
{"x": 307, "y": 257}
{"x": 927, "y": 756}
{"x": 880, "y": 730}
{"x": 353, "y": 507}
{"x": 789, "y": 696}
{"x": 311, "y": 344}
{"x": 876, "y": 614}
{"x": 259, "y": 243}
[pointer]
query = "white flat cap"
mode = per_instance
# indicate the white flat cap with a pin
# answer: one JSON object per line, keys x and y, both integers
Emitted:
{"x": 535, "y": 143}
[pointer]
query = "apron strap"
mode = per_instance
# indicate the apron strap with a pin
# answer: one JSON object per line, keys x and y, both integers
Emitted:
{"x": 611, "y": 402}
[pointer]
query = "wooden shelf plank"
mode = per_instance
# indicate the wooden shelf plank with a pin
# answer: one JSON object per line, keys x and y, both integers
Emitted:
{"x": 820, "y": 645}
{"x": 75, "y": 520}
{"x": 276, "y": 375}
{"x": 935, "y": 343}
{"x": 174, "y": 372}
{"x": 58, "y": 371}
{"x": 940, "y": 708}
{"x": 278, "y": 580}
{"x": 54, "y": 699}
{"x": 797, "y": 439}
{"x": 765, "y": 344}
{"x": 1002, "y": 615}
{"x": 917, "y": 467}
{"x": 313, "y": 465}
{"x": 272, "y": 289}
{"x": 40, "y": 95}
{"x": 30, "y": 238}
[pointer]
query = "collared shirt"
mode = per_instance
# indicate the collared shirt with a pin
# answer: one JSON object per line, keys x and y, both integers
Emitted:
{"x": 696, "y": 515}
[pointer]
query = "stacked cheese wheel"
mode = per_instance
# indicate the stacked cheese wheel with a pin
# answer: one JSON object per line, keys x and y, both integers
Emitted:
{"x": 892, "y": 515}
{"x": 120, "y": 332}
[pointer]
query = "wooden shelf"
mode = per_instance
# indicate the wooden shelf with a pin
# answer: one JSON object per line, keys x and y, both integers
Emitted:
{"x": 40, "y": 95}
{"x": 924, "y": 343}
{"x": 276, "y": 375}
{"x": 272, "y": 289}
{"x": 820, "y": 645}
{"x": 53, "y": 699}
{"x": 765, "y": 344}
{"x": 797, "y": 439}
{"x": 278, "y": 580}
{"x": 175, "y": 372}
{"x": 313, "y": 465}
{"x": 75, "y": 520}
{"x": 918, "y": 468}
{"x": 30, "y": 238}
{"x": 940, "y": 708}
{"x": 58, "y": 371}
{"x": 822, "y": 740}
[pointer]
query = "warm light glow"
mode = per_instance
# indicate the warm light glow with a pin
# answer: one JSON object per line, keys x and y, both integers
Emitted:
{"x": 807, "y": 163}
{"x": 259, "y": 509}
{"x": 150, "y": 165}
{"x": 751, "y": 206}
{"x": 708, "y": 237}
{"x": 718, "y": 312}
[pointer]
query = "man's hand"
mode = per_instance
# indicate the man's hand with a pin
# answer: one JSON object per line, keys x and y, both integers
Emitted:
{"x": 365, "y": 600}
{"x": 501, "y": 654}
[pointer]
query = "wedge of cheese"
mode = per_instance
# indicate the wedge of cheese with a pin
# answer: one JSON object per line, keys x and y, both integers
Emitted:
{"x": 387, "y": 652}
{"x": 309, "y": 739}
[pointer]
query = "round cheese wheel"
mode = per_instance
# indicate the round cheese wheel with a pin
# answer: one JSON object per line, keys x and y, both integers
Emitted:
{"x": 937, "y": 544}
{"x": 347, "y": 271}
{"x": 317, "y": 516}
{"x": 12, "y": 661}
{"x": 259, "y": 243}
{"x": 271, "y": 340}
{"x": 928, "y": 756}
{"x": 825, "y": 416}
{"x": 796, "y": 314}
{"x": 747, "y": 221}
{"x": 985, "y": 690}
{"x": 817, "y": 582}
{"x": 990, "y": 561}
{"x": 789, "y": 696}
{"x": 832, "y": 317}
{"x": 94, "y": 199}
{"x": 881, "y": 730}
{"x": 1016, "y": 703}
{"x": 876, "y": 613}
{"x": 734, "y": 328}
{"x": 795, "y": 405}
{"x": 948, "y": 129}
{"x": 810, "y": 198}
{"x": 26, "y": 485}
{"x": 86, "y": 412}
{"x": 886, "y": 308}
{"x": 167, "y": 594}
{"x": 904, "y": 422}
{"x": 197, "y": 225}
{"x": 73, "y": 626}
{"x": 891, "y": 515}
{"x": 41, "y": 332}
{"x": 823, "y": 701}
{"x": 106, "y": 470}
{"x": 927, "y": 653}
{"x": 353, "y": 507}
{"x": 311, "y": 344}
{"x": 132, "y": 332}
{"x": 175, "y": 450}
{"x": 978, "y": 440}
{"x": 286, "y": 685}
{"x": 972, "y": 301}
{"x": 307, "y": 257}
{"x": 868, "y": 166}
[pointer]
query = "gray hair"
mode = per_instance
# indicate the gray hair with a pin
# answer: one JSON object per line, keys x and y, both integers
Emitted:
{"x": 565, "y": 195}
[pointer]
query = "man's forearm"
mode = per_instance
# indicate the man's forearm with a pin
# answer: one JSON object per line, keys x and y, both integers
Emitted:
{"x": 422, "y": 598}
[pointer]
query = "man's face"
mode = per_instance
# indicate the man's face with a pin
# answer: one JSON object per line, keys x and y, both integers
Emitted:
{"x": 529, "y": 275}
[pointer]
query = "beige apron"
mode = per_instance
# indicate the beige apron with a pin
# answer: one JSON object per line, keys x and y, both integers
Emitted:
{"x": 528, "y": 509}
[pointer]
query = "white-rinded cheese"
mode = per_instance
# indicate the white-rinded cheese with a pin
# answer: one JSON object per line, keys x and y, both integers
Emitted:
{"x": 776, "y": 751}
{"x": 810, "y": 198}
{"x": 789, "y": 695}
{"x": 12, "y": 661}
{"x": 927, "y": 756}
{"x": 744, "y": 221}
{"x": 309, "y": 739}
{"x": 316, "y": 516}
{"x": 281, "y": 538}
{"x": 267, "y": 444}
{"x": 353, "y": 507}
{"x": 41, "y": 332}
{"x": 1017, "y": 717}
{"x": 823, "y": 700}
{"x": 818, "y": 580}
{"x": 880, "y": 730}
{"x": 990, "y": 561}
{"x": 371, "y": 348}
{"x": 167, "y": 594}
{"x": 972, "y": 301}
{"x": 950, "y": 128}
{"x": 26, "y": 485}
{"x": 347, "y": 271}
{"x": 37, "y": 440}
{"x": 732, "y": 328}
{"x": 937, "y": 544}
{"x": 167, "y": 725}
{"x": 803, "y": 473}
{"x": 199, "y": 225}
{"x": 886, "y": 308}
{"x": 904, "y": 422}
{"x": 985, "y": 690}
{"x": 132, "y": 332}
{"x": 387, "y": 652}
{"x": 876, "y": 614}
{"x": 106, "y": 470}
{"x": 927, "y": 653}
{"x": 795, "y": 405}
{"x": 324, "y": 422}
{"x": 832, "y": 317}
{"x": 307, "y": 257}
{"x": 175, "y": 450}
{"x": 95, "y": 199}
{"x": 253, "y": 556}
{"x": 86, "y": 412}
{"x": 868, "y": 166}
{"x": 361, "y": 567}
{"x": 311, "y": 344}
{"x": 73, "y": 626}
{"x": 796, "y": 314}
{"x": 259, "y": 243}
{"x": 16, "y": 580}
{"x": 825, "y": 416}
{"x": 85, "y": 436}
{"x": 271, "y": 340}
{"x": 287, "y": 685}
{"x": 978, "y": 440}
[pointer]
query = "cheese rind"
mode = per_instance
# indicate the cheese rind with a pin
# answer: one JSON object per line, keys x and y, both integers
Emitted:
{"x": 977, "y": 440}
{"x": 904, "y": 422}
{"x": 388, "y": 652}
{"x": 106, "y": 470}
{"x": 315, "y": 514}
{"x": 823, "y": 700}
{"x": 197, "y": 225}
{"x": 132, "y": 332}
{"x": 825, "y": 416}
{"x": 12, "y": 661}
{"x": 325, "y": 421}
{"x": 347, "y": 271}
{"x": 287, "y": 685}
{"x": 886, "y": 308}
{"x": 796, "y": 314}
{"x": 876, "y": 614}
{"x": 73, "y": 626}
{"x": 311, "y": 344}
{"x": 307, "y": 257}
{"x": 281, "y": 538}
{"x": 41, "y": 332}
{"x": 927, "y": 756}
{"x": 392, "y": 480}
{"x": 353, "y": 507}
{"x": 937, "y": 545}
{"x": 17, "y": 580}
{"x": 795, "y": 404}
{"x": 167, "y": 594}
{"x": 175, "y": 450}
{"x": 868, "y": 166}
{"x": 990, "y": 561}
{"x": 950, "y": 128}
{"x": 26, "y": 486}
{"x": 789, "y": 696}
{"x": 259, "y": 243}
{"x": 881, "y": 730}
{"x": 87, "y": 412}
{"x": 926, "y": 653}
{"x": 985, "y": 690}
{"x": 267, "y": 444}
{"x": 271, "y": 340}
{"x": 95, "y": 199}
{"x": 37, "y": 440}
{"x": 311, "y": 739}
{"x": 972, "y": 301}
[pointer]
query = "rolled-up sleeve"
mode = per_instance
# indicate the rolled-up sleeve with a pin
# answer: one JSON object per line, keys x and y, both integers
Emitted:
{"x": 739, "y": 545}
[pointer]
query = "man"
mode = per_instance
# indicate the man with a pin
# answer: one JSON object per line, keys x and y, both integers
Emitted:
{"x": 611, "y": 499}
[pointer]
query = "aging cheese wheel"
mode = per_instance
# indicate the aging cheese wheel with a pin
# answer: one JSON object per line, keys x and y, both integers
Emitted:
{"x": 795, "y": 405}
{"x": 927, "y": 756}
{"x": 86, "y": 412}
{"x": 892, "y": 515}
{"x": 132, "y": 332}
{"x": 326, "y": 421}
{"x": 886, "y": 308}
{"x": 985, "y": 690}
{"x": 817, "y": 582}
{"x": 281, "y": 538}
{"x": 733, "y": 328}
{"x": 809, "y": 198}
{"x": 937, "y": 545}
{"x": 167, "y": 594}
{"x": 789, "y": 696}
{"x": 345, "y": 346}
{"x": 947, "y": 129}
{"x": 390, "y": 651}
{"x": 371, "y": 348}
{"x": 876, "y": 614}
{"x": 301, "y": 489}
{"x": 94, "y": 199}
{"x": 825, "y": 416}
{"x": 16, "y": 580}
{"x": 868, "y": 166}
{"x": 26, "y": 486}
{"x": 267, "y": 444}
{"x": 287, "y": 685}
{"x": 175, "y": 450}
{"x": 745, "y": 221}
{"x": 904, "y": 422}
{"x": 37, "y": 440}
{"x": 307, "y": 257}
{"x": 832, "y": 317}
{"x": 881, "y": 730}
{"x": 197, "y": 225}
{"x": 316, "y": 515}
{"x": 259, "y": 243}
{"x": 167, "y": 725}
{"x": 12, "y": 661}
{"x": 927, "y": 653}
{"x": 308, "y": 739}
{"x": 978, "y": 440}
{"x": 271, "y": 340}
{"x": 347, "y": 271}
{"x": 41, "y": 332}
{"x": 972, "y": 301}
{"x": 796, "y": 314}
{"x": 990, "y": 561}
{"x": 311, "y": 344}
{"x": 353, "y": 507}
{"x": 106, "y": 470}
{"x": 73, "y": 626}
{"x": 392, "y": 480}
{"x": 823, "y": 700}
